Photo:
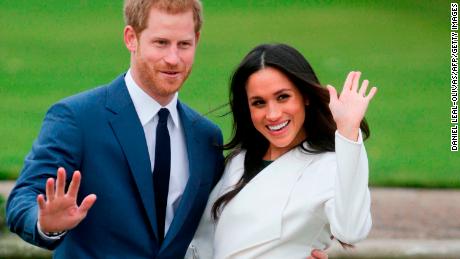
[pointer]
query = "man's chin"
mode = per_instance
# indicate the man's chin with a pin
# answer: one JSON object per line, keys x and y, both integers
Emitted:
{"x": 168, "y": 89}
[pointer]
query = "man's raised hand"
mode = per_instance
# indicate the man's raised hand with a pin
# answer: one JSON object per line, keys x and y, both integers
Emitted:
{"x": 59, "y": 211}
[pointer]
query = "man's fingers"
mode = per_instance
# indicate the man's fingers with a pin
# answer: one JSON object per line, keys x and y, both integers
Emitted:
{"x": 87, "y": 203}
{"x": 332, "y": 93}
{"x": 60, "y": 182}
{"x": 371, "y": 93}
{"x": 363, "y": 89}
{"x": 49, "y": 189}
{"x": 74, "y": 185}
{"x": 41, "y": 201}
{"x": 355, "y": 84}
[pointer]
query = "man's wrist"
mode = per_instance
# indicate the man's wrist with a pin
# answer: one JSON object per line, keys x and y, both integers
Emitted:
{"x": 50, "y": 235}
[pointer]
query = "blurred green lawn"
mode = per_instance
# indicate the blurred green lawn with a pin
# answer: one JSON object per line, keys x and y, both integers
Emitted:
{"x": 52, "y": 49}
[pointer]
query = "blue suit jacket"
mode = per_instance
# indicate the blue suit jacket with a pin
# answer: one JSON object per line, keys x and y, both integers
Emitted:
{"x": 99, "y": 133}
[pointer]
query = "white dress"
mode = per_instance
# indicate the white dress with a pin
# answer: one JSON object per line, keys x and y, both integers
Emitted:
{"x": 294, "y": 205}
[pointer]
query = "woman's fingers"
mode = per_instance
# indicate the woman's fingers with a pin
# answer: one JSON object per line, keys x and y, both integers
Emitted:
{"x": 371, "y": 93}
{"x": 348, "y": 81}
{"x": 363, "y": 89}
{"x": 332, "y": 94}
{"x": 355, "y": 84}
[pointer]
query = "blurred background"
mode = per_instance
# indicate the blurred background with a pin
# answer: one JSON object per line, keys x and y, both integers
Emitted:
{"x": 52, "y": 49}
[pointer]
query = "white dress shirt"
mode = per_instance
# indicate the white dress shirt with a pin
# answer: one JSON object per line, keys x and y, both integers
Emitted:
{"x": 147, "y": 109}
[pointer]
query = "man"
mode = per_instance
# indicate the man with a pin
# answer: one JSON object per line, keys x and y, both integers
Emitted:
{"x": 110, "y": 134}
{"x": 148, "y": 159}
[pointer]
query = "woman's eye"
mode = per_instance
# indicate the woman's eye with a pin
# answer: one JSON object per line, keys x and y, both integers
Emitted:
{"x": 283, "y": 97}
{"x": 257, "y": 103}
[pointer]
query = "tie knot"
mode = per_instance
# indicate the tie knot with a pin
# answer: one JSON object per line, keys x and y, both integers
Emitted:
{"x": 163, "y": 115}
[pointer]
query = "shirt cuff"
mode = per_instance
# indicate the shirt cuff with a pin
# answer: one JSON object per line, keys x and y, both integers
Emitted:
{"x": 359, "y": 141}
{"x": 50, "y": 236}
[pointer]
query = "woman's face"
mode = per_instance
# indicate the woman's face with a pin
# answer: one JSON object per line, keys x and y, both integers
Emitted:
{"x": 277, "y": 110}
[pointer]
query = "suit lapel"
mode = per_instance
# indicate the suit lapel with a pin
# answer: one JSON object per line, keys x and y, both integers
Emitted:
{"x": 130, "y": 134}
{"x": 188, "y": 120}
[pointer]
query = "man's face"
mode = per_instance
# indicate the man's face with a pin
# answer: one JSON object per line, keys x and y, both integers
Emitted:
{"x": 162, "y": 54}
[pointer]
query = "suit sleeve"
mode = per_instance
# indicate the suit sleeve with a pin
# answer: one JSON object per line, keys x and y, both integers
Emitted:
{"x": 58, "y": 144}
{"x": 220, "y": 165}
{"x": 217, "y": 145}
{"x": 349, "y": 211}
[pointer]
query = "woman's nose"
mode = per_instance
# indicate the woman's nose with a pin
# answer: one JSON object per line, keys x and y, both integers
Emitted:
{"x": 273, "y": 112}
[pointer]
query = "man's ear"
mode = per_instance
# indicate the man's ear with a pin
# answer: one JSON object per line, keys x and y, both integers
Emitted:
{"x": 197, "y": 38}
{"x": 130, "y": 38}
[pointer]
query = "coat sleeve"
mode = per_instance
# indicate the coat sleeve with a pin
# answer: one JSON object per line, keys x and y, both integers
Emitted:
{"x": 58, "y": 144}
{"x": 348, "y": 211}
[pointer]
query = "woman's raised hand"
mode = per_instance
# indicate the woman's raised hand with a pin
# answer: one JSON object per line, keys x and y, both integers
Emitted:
{"x": 350, "y": 107}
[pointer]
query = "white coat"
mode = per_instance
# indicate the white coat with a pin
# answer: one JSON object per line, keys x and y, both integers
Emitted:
{"x": 291, "y": 207}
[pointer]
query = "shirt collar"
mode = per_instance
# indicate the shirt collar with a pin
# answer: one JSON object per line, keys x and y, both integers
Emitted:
{"x": 147, "y": 107}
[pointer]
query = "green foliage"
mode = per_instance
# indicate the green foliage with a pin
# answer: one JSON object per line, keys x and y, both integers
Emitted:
{"x": 52, "y": 49}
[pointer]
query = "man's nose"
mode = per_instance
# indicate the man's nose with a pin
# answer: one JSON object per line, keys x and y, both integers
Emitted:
{"x": 172, "y": 57}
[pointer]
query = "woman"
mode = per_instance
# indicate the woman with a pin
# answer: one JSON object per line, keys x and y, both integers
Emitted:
{"x": 297, "y": 173}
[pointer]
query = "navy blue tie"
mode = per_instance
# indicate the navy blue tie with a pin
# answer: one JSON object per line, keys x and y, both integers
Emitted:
{"x": 161, "y": 170}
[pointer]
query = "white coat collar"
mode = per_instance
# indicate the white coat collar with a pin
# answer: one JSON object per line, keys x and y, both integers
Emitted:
{"x": 269, "y": 191}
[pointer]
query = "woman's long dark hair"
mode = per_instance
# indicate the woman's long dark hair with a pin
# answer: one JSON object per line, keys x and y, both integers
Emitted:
{"x": 319, "y": 124}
